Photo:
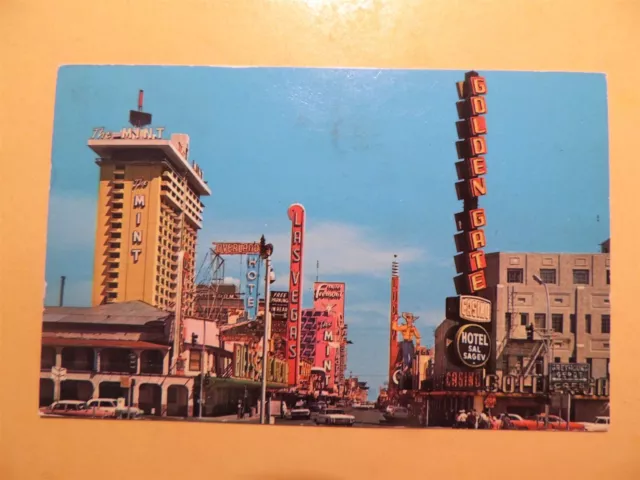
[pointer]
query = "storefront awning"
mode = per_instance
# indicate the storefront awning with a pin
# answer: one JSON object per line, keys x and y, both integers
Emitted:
{"x": 95, "y": 343}
{"x": 241, "y": 382}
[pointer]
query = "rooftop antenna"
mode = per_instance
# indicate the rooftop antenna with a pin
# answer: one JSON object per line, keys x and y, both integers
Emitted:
{"x": 138, "y": 118}
{"x": 317, "y": 269}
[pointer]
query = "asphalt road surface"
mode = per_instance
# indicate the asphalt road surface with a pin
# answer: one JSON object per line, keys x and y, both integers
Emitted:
{"x": 364, "y": 418}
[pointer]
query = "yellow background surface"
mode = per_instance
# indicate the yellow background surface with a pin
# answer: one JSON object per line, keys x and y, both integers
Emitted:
{"x": 38, "y": 36}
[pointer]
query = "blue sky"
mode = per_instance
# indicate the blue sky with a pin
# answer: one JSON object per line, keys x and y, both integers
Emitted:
{"x": 369, "y": 153}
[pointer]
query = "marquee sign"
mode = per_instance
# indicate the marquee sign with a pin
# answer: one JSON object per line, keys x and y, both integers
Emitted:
{"x": 279, "y": 304}
{"x": 468, "y": 308}
{"x": 472, "y": 345}
{"x": 294, "y": 322}
{"x": 236, "y": 248}
{"x": 472, "y": 146}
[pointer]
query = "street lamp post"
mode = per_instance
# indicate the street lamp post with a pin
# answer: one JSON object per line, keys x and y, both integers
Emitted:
{"x": 265, "y": 252}
{"x": 547, "y": 341}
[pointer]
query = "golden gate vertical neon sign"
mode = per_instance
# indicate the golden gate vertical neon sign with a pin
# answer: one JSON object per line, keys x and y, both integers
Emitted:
{"x": 472, "y": 146}
{"x": 294, "y": 319}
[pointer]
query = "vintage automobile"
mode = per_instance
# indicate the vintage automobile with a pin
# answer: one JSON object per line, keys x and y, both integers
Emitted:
{"x": 396, "y": 415}
{"x": 110, "y": 407}
{"x": 300, "y": 413}
{"x": 334, "y": 416}
{"x": 600, "y": 424}
{"x": 65, "y": 408}
{"x": 555, "y": 423}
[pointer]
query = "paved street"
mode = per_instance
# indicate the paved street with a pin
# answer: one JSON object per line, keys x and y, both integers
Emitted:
{"x": 364, "y": 418}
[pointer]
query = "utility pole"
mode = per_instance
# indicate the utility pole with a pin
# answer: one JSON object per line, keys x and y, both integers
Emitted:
{"x": 547, "y": 340}
{"x": 265, "y": 252}
{"x": 203, "y": 362}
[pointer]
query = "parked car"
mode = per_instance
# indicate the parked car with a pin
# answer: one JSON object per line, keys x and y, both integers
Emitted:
{"x": 334, "y": 416}
{"x": 555, "y": 423}
{"x": 65, "y": 408}
{"x": 396, "y": 415}
{"x": 600, "y": 424}
{"x": 300, "y": 413}
{"x": 110, "y": 407}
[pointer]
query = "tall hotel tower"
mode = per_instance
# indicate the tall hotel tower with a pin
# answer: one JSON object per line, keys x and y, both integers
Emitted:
{"x": 149, "y": 211}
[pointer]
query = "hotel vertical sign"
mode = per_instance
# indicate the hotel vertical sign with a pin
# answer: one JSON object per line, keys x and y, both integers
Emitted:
{"x": 296, "y": 214}
{"x": 472, "y": 341}
{"x": 138, "y": 187}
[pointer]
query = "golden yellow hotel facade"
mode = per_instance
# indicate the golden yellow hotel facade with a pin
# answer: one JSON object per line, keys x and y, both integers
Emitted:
{"x": 149, "y": 214}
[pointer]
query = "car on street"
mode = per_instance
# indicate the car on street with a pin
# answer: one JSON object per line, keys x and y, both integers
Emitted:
{"x": 555, "y": 423}
{"x": 396, "y": 415}
{"x": 600, "y": 424}
{"x": 300, "y": 413}
{"x": 65, "y": 408}
{"x": 110, "y": 407}
{"x": 335, "y": 416}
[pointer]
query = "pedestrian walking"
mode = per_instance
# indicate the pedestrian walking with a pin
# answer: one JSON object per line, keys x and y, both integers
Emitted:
{"x": 240, "y": 410}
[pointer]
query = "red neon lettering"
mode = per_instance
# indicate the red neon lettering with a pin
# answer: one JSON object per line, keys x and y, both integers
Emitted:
{"x": 477, "y": 125}
{"x": 477, "y": 218}
{"x": 477, "y": 186}
{"x": 478, "y": 86}
{"x": 477, "y": 239}
{"x": 478, "y": 146}
{"x": 477, "y": 281}
{"x": 477, "y": 166}
{"x": 478, "y": 105}
{"x": 477, "y": 260}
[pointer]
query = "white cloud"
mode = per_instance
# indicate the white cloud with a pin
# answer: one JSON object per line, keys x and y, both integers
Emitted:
{"x": 71, "y": 222}
{"x": 431, "y": 318}
{"x": 232, "y": 281}
{"x": 341, "y": 249}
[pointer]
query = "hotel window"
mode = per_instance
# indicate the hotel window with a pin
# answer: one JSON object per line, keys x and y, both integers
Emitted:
{"x": 590, "y": 363}
{"x": 114, "y": 255}
{"x": 580, "y": 277}
{"x": 573, "y": 326}
{"x": 608, "y": 277}
{"x": 605, "y": 324}
{"x": 557, "y": 321}
{"x": 524, "y": 318}
{"x": 608, "y": 359}
{"x": 195, "y": 360}
{"x": 119, "y": 176}
{"x": 116, "y": 235}
{"x": 515, "y": 275}
{"x": 112, "y": 295}
{"x": 587, "y": 323}
{"x": 539, "y": 320}
{"x": 548, "y": 275}
{"x": 557, "y": 360}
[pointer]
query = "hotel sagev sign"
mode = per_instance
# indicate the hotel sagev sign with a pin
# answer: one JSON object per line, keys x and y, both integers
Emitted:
{"x": 473, "y": 345}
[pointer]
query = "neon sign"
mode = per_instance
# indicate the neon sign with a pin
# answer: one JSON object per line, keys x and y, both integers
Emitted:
{"x": 296, "y": 214}
{"x": 100, "y": 133}
{"x": 251, "y": 288}
{"x": 138, "y": 207}
{"x": 472, "y": 146}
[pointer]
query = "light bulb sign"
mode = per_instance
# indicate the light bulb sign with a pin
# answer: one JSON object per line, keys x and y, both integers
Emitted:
{"x": 472, "y": 148}
{"x": 296, "y": 214}
{"x": 472, "y": 345}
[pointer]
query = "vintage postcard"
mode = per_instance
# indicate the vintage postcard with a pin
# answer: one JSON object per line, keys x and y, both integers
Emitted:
{"x": 329, "y": 247}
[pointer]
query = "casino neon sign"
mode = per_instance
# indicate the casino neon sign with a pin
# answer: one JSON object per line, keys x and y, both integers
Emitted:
{"x": 472, "y": 146}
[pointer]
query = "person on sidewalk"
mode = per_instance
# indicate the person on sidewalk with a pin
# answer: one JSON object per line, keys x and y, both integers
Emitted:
{"x": 240, "y": 410}
{"x": 283, "y": 409}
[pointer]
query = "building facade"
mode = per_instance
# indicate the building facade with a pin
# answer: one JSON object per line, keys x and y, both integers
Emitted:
{"x": 149, "y": 213}
{"x": 580, "y": 317}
